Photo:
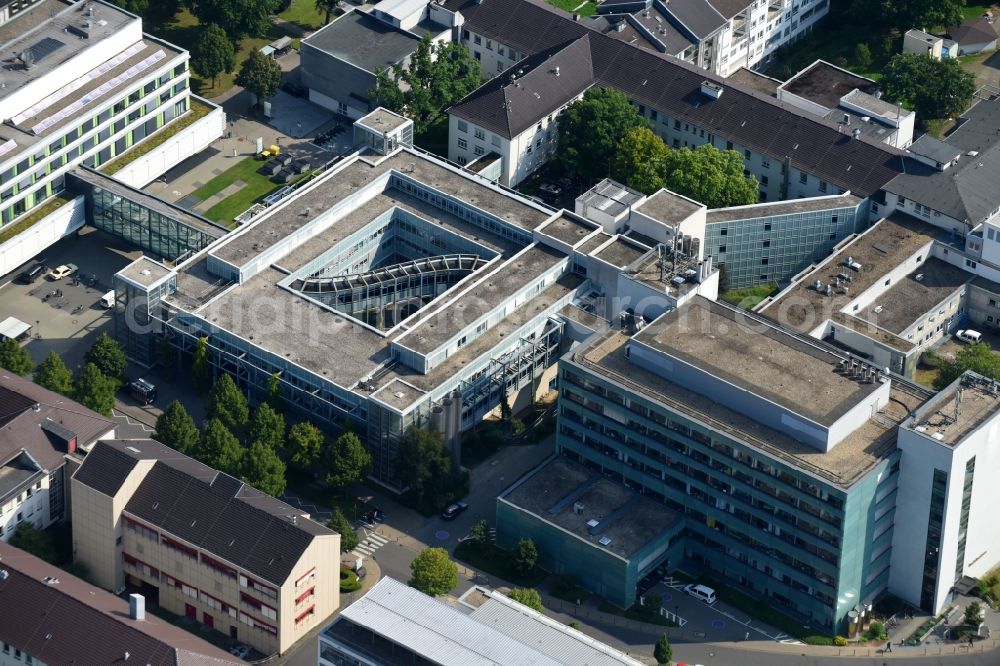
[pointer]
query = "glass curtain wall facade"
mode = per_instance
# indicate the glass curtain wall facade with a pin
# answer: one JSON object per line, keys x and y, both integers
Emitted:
{"x": 758, "y": 250}
{"x": 147, "y": 229}
{"x": 963, "y": 522}
{"x": 932, "y": 551}
{"x": 765, "y": 526}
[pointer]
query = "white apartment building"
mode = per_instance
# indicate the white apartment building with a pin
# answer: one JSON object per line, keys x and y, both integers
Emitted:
{"x": 83, "y": 86}
{"x": 42, "y": 435}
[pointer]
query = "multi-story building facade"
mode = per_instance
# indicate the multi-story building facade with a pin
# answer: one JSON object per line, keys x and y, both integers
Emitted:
{"x": 784, "y": 475}
{"x": 203, "y": 545}
{"x": 717, "y": 35}
{"x": 810, "y": 155}
{"x": 84, "y": 85}
{"x": 42, "y": 436}
{"x": 48, "y": 616}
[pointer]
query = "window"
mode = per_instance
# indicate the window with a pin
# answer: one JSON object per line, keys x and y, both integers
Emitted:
{"x": 729, "y": 145}
{"x": 723, "y": 232}
{"x": 478, "y": 150}
{"x": 463, "y": 126}
{"x": 677, "y": 124}
{"x": 767, "y": 227}
{"x": 746, "y": 154}
{"x": 765, "y": 163}
{"x": 766, "y": 243}
{"x": 480, "y": 133}
{"x": 495, "y": 140}
{"x": 763, "y": 262}
{"x": 803, "y": 178}
{"x": 722, "y": 249}
{"x": 463, "y": 144}
{"x": 477, "y": 40}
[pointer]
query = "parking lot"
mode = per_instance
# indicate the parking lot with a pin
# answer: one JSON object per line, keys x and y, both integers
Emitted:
{"x": 713, "y": 622}
{"x": 67, "y": 316}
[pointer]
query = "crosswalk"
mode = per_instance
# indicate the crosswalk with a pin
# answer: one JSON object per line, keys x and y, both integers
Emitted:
{"x": 369, "y": 544}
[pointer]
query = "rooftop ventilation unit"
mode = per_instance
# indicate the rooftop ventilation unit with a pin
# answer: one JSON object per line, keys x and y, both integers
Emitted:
{"x": 711, "y": 89}
{"x": 605, "y": 541}
{"x": 856, "y": 133}
{"x": 578, "y": 508}
{"x": 918, "y": 277}
{"x": 593, "y": 522}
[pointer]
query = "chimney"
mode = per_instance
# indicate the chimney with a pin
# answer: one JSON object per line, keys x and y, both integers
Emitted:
{"x": 711, "y": 89}
{"x": 556, "y": 70}
{"x": 137, "y": 607}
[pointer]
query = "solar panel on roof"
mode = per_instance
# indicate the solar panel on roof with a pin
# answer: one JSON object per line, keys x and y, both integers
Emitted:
{"x": 45, "y": 48}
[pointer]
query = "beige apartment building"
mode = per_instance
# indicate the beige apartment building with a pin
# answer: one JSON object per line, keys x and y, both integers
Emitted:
{"x": 200, "y": 543}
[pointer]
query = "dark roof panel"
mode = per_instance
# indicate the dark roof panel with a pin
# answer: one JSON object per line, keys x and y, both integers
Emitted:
{"x": 105, "y": 470}
{"x": 742, "y": 114}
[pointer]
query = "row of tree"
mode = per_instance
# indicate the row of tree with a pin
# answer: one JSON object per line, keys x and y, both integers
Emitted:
{"x": 601, "y": 135}
{"x": 906, "y": 14}
{"x": 95, "y": 383}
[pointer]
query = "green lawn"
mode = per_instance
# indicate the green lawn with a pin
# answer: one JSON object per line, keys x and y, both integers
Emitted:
{"x": 303, "y": 13}
{"x": 587, "y": 9}
{"x": 257, "y": 187}
{"x": 182, "y": 29}
{"x": 749, "y": 298}
{"x": 498, "y": 562}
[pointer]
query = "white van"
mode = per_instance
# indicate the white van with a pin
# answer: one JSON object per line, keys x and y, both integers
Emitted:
{"x": 701, "y": 592}
{"x": 108, "y": 299}
{"x": 968, "y": 335}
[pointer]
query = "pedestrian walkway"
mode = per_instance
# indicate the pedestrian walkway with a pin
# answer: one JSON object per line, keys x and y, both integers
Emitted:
{"x": 369, "y": 544}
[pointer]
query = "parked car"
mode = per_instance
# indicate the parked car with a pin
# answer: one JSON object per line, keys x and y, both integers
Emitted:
{"x": 31, "y": 274}
{"x": 550, "y": 189}
{"x": 108, "y": 299}
{"x": 142, "y": 391}
{"x": 60, "y": 272}
{"x": 702, "y": 592}
{"x": 451, "y": 513}
{"x": 240, "y": 651}
{"x": 968, "y": 335}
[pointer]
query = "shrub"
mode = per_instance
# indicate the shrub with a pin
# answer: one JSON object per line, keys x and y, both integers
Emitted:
{"x": 839, "y": 641}
{"x": 876, "y": 631}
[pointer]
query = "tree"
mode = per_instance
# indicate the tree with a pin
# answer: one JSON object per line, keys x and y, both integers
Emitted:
{"x": 525, "y": 555}
{"x": 38, "y": 542}
{"x": 274, "y": 393}
{"x": 932, "y": 88}
{"x": 341, "y": 525}
{"x": 863, "y": 55}
{"x": 328, "y": 7}
{"x": 14, "y": 357}
{"x": 238, "y": 18}
{"x": 108, "y": 356}
{"x": 305, "y": 444}
{"x": 268, "y": 427}
{"x": 638, "y": 149}
{"x": 977, "y": 357}
{"x": 53, "y": 374}
{"x": 347, "y": 461}
{"x": 227, "y": 403}
{"x": 423, "y": 464}
{"x": 263, "y": 469}
{"x": 906, "y": 14}
{"x": 95, "y": 390}
{"x": 137, "y": 7}
{"x": 200, "y": 372}
{"x": 479, "y": 535}
{"x": 528, "y": 596}
{"x": 220, "y": 449}
{"x": 437, "y": 76}
{"x": 386, "y": 92}
{"x": 662, "y": 652}
{"x": 432, "y": 572}
{"x": 710, "y": 176}
{"x": 213, "y": 53}
{"x": 590, "y": 130}
{"x": 260, "y": 75}
{"x": 177, "y": 429}
{"x": 974, "y": 614}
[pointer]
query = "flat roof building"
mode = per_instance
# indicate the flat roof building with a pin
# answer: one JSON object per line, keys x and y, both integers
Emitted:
{"x": 394, "y": 624}
{"x": 82, "y": 86}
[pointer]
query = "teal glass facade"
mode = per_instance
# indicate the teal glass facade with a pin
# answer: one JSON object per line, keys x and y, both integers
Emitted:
{"x": 757, "y": 250}
{"x": 808, "y": 546}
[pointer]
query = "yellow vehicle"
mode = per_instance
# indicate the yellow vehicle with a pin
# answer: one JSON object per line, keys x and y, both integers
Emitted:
{"x": 269, "y": 152}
